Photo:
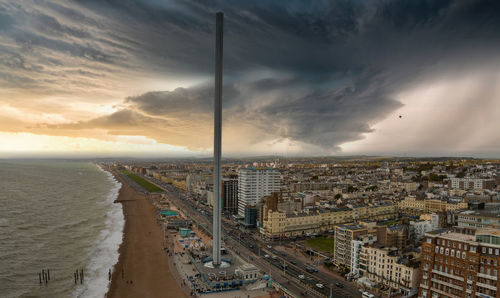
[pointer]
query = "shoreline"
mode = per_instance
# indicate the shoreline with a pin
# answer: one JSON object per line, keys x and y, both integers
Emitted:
{"x": 143, "y": 268}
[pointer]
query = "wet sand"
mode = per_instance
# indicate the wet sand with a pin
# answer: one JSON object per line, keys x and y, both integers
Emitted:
{"x": 143, "y": 267}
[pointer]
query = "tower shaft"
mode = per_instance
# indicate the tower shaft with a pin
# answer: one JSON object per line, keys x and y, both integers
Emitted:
{"x": 217, "y": 139}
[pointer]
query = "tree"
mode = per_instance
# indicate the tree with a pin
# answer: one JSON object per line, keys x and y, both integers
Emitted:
{"x": 351, "y": 188}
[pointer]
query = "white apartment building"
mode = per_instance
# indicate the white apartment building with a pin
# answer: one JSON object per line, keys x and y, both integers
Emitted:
{"x": 356, "y": 246}
{"x": 419, "y": 228}
{"x": 471, "y": 183}
{"x": 255, "y": 183}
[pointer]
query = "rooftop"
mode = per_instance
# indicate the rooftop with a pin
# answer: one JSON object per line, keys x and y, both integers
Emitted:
{"x": 488, "y": 213}
{"x": 448, "y": 234}
{"x": 352, "y": 227}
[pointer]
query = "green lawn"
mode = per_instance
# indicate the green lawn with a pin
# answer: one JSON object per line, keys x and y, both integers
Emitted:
{"x": 321, "y": 243}
{"x": 143, "y": 182}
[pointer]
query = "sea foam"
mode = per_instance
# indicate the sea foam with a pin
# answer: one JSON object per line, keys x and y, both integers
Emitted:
{"x": 104, "y": 254}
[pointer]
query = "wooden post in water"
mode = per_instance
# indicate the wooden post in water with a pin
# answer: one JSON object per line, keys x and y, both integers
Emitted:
{"x": 40, "y": 277}
{"x": 48, "y": 274}
{"x": 43, "y": 274}
{"x": 81, "y": 276}
{"x": 74, "y": 274}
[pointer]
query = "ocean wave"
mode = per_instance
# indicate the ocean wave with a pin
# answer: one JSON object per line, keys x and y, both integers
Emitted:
{"x": 104, "y": 254}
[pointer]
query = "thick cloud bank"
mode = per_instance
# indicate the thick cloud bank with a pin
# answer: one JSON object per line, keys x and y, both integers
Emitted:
{"x": 317, "y": 74}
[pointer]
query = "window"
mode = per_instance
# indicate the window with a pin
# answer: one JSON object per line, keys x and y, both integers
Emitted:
{"x": 463, "y": 255}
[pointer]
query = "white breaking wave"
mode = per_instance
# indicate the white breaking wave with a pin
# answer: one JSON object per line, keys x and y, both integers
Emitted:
{"x": 104, "y": 254}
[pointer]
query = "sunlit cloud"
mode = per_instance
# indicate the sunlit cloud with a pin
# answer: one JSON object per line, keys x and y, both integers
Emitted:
{"x": 300, "y": 78}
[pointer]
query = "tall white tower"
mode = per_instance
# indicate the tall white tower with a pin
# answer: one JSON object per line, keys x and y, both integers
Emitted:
{"x": 255, "y": 183}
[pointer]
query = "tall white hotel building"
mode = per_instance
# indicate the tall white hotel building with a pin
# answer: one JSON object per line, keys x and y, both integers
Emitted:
{"x": 255, "y": 183}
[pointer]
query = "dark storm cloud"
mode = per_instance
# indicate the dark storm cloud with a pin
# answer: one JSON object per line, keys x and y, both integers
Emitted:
{"x": 319, "y": 72}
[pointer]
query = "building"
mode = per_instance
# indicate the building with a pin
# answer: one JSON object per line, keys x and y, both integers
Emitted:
{"x": 247, "y": 272}
{"x": 344, "y": 236}
{"x": 356, "y": 245}
{"x": 460, "y": 265}
{"x": 393, "y": 236}
{"x": 410, "y": 186}
{"x": 412, "y": 205}
{"x": 255, "y": 183}
{"x": 476, "y": 219}
{"x": 278, "y": 224}
{"x": 230, "y": 195}
{"x": 472, "y": 183}
{"x": 251, "y": 214}
{"x": 311, "y": 185}
{"x": 392, "y": 268}
{"x": 418, "y": 228}
{"x": 275, "y": 202}
{"x": 197, "y": 184}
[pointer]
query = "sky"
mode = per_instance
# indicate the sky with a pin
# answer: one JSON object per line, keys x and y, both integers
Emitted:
{"x": 309, "y": 78}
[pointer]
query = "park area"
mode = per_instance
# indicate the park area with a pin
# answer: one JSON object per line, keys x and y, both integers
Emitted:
{"x": 322, "y": 243}
{"x": 143, "y": 182}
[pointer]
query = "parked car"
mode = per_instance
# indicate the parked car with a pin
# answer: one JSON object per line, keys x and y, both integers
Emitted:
{"x": 340, "y": 285}
{"x": 302, "y": 276}
{"x": 321, "y": 286}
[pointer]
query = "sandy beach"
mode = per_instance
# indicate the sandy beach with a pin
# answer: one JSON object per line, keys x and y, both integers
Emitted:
{"x": 143, "y": 267}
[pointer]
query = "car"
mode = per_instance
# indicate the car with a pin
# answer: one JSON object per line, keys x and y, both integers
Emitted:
{"x": 274, "y": 257}
{"x": 321, "y": 286}
{"x": 340, "y": 285}
{"x": 302, "y": 276}
{"x": 266, "y": 256}
{"x": 269, "y": 246}
{"x": 293, "y": 262}
{"x": 311, "y": 269}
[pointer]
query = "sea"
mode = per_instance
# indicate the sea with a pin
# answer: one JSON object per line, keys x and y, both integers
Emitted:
{"x": 57, "y": 216}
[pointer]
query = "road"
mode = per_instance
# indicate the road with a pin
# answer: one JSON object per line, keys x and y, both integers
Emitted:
{"x": 242, "y": 242}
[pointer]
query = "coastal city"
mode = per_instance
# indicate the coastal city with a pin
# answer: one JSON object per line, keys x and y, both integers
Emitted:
{"x": 327, "y": 227}
{"x": 250, "y": 149}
